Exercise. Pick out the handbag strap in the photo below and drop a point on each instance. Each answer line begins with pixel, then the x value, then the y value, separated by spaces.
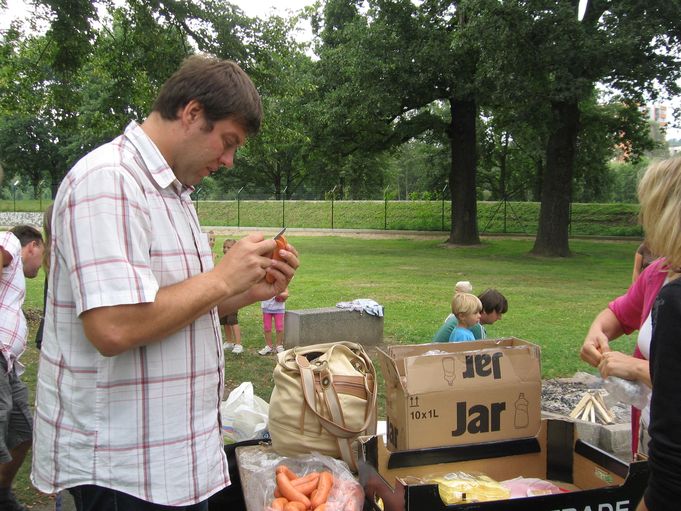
pixel 336 426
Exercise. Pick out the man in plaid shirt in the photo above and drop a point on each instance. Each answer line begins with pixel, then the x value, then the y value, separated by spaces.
pixel 131 368
pixel 22 251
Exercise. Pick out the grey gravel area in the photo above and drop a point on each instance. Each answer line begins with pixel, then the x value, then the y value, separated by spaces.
pixel 561 395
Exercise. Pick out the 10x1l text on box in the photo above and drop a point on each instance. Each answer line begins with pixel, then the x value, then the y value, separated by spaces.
pixel 461 393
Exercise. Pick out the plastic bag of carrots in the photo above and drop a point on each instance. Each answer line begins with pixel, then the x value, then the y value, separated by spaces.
pixel 314 482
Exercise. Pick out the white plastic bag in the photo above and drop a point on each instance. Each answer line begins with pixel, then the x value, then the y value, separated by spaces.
pixel 244 415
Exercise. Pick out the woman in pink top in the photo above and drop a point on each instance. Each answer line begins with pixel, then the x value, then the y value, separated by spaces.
pixel 623 315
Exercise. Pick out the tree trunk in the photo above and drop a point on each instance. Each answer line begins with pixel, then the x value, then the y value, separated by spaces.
pixel 462 139
pixel 538 180
pixel 554 215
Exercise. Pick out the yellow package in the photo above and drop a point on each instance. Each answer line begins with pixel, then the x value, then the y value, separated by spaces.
pixel 462 487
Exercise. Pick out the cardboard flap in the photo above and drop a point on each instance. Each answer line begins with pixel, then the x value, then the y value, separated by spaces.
pixel 391 375
pixel 479 363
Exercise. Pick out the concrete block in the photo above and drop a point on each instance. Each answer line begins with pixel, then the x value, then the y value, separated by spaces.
pixel 331 324
pixel 616 438
pixel 589 432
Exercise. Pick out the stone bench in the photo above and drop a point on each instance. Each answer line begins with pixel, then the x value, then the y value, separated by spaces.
pixel 331 324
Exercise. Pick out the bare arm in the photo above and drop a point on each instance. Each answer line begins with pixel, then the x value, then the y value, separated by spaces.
pixel 603 329
pixel 236 281
pixel 642 506
pixel 114 330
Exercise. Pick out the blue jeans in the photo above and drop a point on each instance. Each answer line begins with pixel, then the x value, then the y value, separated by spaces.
pixel 96 498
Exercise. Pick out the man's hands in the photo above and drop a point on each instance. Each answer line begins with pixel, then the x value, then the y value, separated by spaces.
pixel 244 266
pixel 237 280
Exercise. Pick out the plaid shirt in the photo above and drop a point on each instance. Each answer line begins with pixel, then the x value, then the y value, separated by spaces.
pixel 13 330
pixel 145 422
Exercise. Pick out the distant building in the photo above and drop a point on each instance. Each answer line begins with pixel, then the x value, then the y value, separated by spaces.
pixel 658 113
pixel 659 117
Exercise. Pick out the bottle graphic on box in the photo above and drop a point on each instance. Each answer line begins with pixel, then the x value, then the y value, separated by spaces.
pixel 448 368
pixel 522 416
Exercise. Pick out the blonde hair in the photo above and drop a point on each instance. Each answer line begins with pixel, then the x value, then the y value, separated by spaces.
pixel 466 303
pixel 659 194
pixel 463 286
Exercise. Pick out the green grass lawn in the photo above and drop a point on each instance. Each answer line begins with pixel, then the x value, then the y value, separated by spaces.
pixel 551 301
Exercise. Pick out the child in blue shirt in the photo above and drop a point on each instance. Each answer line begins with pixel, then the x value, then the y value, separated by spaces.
pixel 466 307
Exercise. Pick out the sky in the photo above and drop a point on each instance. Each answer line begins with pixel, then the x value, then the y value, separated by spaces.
pixel 251 7
pixel 264 7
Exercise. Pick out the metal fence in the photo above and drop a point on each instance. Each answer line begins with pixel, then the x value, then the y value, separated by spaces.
pixel 493 217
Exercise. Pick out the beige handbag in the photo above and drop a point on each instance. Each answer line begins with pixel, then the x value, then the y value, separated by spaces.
pixel 324 397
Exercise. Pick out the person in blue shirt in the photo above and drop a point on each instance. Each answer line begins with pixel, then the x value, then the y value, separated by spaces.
pixel 494 306
pixel 466 307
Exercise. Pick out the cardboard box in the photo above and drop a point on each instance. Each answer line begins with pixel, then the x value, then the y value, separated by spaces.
pixel 478 391
pixel 600 482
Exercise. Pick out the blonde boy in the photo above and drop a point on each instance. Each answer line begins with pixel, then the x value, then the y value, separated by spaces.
pixel 467 308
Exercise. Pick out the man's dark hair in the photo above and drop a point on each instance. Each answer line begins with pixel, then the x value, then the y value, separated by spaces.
pixel 26 234
pixel 221 86
pixel 493 300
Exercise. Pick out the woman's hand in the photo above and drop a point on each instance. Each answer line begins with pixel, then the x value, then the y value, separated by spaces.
pixel 595 345
pixel 615 363
pixel 604 328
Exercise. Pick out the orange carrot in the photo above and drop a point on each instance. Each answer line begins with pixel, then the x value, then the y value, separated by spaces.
pixel 281 244
pixel 289 473
pixel 306 487
pixel 278 504
pixel 323 489
pixel 288 490
pixel 304 479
